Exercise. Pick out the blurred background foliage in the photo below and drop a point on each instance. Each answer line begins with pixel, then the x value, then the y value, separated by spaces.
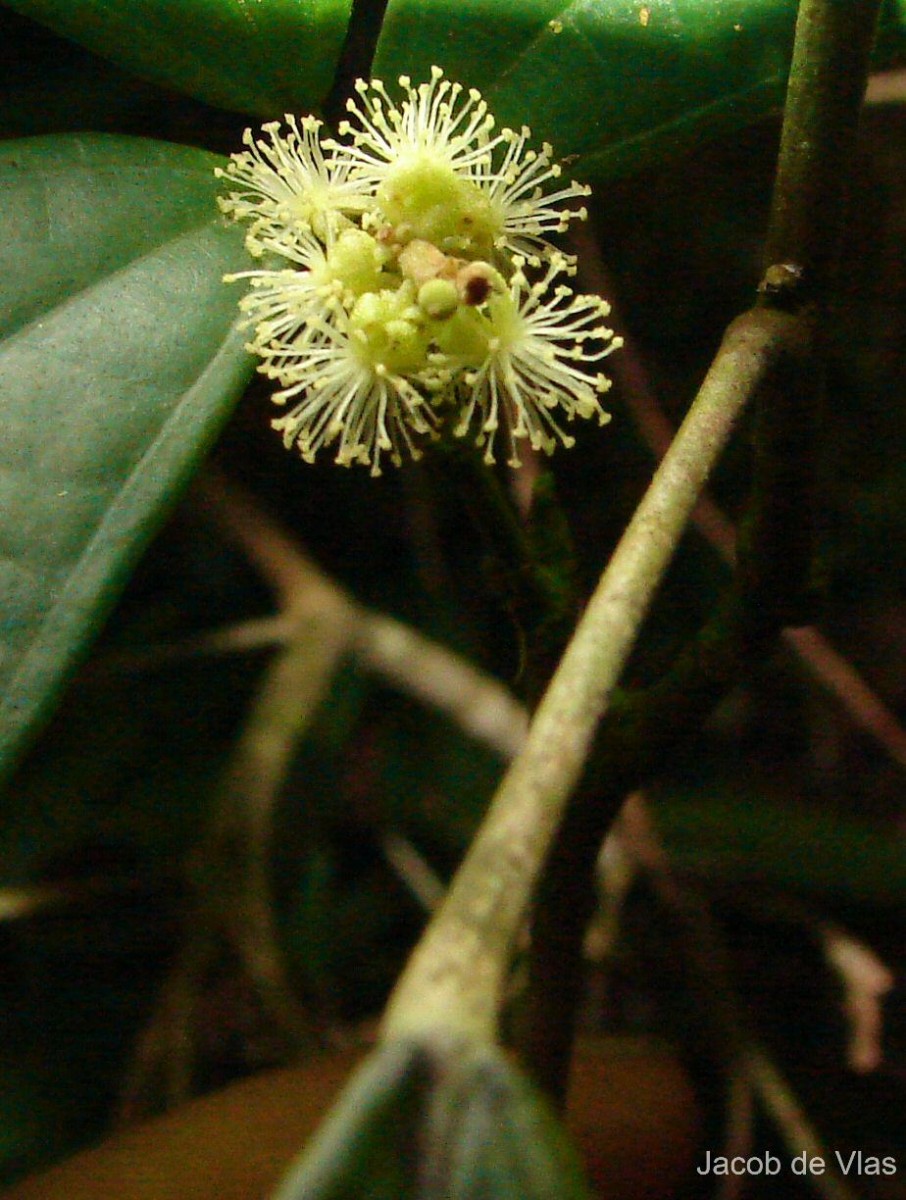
pixel 781 812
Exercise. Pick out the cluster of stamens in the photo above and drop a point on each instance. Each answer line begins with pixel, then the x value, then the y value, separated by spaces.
pixel 411 277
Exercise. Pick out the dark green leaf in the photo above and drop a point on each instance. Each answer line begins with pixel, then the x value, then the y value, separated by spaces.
pixel 618 82
pixel 441 1122
pixel 119 362
pixel 261 56
pixel 367 1145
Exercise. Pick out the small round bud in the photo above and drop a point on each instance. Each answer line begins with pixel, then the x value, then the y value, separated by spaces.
pixel 438 299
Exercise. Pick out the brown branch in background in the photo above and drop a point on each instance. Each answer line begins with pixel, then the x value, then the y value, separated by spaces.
pixel 19 903
pixel 866 980
pixel 230 922
pixel 751 1067
pixel 739 1130
pixel 791 1120
pixel 481 706
pixel 887 87
pixel 239 637
pixel 826 664
pixel 842 680
pixel 409 865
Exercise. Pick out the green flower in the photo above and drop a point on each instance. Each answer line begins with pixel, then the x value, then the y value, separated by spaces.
pixel 365 382
pixel 285 186
pixel 437 169
pixel 535 341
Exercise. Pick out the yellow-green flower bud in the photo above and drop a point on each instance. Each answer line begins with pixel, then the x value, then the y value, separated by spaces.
pixel 465 337
pixel 438 299
pixel 389 330
pixel 434 204
pixel 356 259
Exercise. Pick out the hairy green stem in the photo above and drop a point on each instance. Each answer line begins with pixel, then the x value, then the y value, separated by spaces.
pixel 454 981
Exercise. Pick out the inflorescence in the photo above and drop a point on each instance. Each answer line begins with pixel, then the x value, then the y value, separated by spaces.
pixel 419 280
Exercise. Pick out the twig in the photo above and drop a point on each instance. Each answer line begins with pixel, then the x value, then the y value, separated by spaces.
pixel 825 663
pixel 455 978
pixel 239 637
pixel 233 914
pixel 740 1129
pixel 413 870
pixel 841 678
pixel 828 77
pixel 480 705
pixel 29 900
pixel 792 1123
pixel 887 87
pixel 866 980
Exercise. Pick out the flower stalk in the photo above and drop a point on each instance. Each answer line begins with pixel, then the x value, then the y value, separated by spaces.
pixel 454 982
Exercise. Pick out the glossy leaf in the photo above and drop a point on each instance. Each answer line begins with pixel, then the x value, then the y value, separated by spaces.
pixel 618 83
pixel 119 362
pixel 257 56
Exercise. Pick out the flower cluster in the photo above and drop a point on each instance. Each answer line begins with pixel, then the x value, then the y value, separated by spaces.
pixel 409 275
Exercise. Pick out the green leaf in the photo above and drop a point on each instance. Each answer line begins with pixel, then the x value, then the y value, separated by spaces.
pixel 619 83
pixel 119 362
pixel 440 1122
pixel 259 56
